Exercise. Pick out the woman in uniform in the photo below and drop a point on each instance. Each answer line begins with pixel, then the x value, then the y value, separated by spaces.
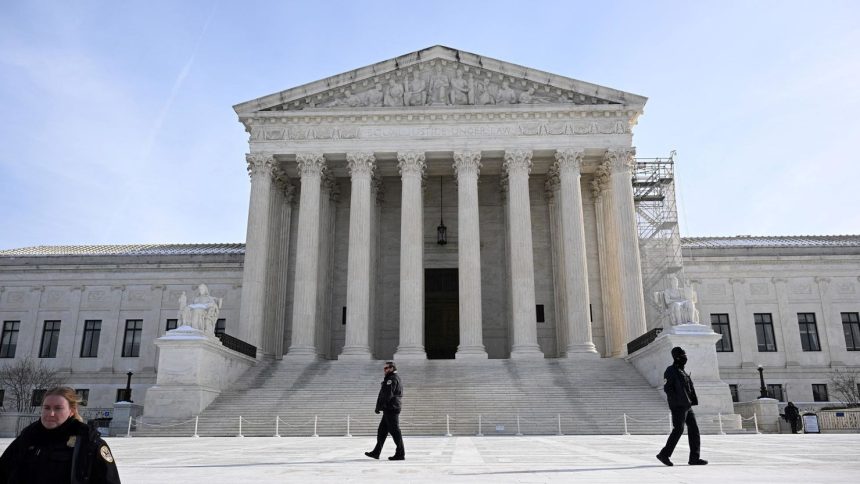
pixel 59 448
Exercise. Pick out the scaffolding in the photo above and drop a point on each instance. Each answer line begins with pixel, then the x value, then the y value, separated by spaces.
pixel 659 237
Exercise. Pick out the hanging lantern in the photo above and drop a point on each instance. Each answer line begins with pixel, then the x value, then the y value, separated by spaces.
pixel 441 230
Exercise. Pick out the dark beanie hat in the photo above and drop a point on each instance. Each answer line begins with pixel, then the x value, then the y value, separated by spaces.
pixel 677 351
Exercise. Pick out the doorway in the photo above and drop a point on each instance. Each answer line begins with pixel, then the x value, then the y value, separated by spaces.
pixel 441 313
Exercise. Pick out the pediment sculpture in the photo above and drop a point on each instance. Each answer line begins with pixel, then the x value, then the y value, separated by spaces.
pixel 678 303
pixel 202 313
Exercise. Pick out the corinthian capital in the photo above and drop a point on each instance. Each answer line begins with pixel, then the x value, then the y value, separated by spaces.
pixel 518 161
pixel 310 164
pixel 360 163
pixel 600 182
pixel 467 163
pixel 411 163
pixel 568 161
pixel 620 160
pixel 552 183
pixel 260 164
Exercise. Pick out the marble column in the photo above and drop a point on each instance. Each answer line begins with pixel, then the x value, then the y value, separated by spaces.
pixel 517 166
pixel 261 168
pixel 573 245
pixel 361 166
pixel 411 165
pixel 276 333
pixel 624 229
pixel 467 166
pixel 553 198
pixel 310 167
pixel 610 293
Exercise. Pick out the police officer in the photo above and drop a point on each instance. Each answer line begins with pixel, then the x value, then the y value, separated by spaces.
pixel 681 397
pixel 58 448
pixel 388 402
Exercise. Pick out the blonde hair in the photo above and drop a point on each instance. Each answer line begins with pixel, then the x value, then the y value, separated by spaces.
pixel 70 395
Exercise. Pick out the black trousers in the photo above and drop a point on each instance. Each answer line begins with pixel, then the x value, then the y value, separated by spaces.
pixel 390 424
pixel 681 416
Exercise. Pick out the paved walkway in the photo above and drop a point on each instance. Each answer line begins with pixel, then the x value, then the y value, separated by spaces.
pixel 734 458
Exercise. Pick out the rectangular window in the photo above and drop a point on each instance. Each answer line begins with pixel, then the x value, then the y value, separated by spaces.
pixel 2 397
pixel 775 391
pixel 38 396
pixel 851 328
pixel 83 396
pixel 764 332
pixel 9 339
pixel 90 342
pixel 131 340
pixel 220 326
pixel 808 332
pixel 539 311
pixel 734 391
pixel 819 393
pixel 343 316
pixel 50 338
pixel 720 325
pixel 171 324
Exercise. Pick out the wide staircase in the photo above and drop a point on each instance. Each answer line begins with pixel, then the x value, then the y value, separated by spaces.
pixel 460 397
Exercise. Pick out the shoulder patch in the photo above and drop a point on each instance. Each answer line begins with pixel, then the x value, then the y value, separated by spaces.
pixel 104 452
pixel 388 382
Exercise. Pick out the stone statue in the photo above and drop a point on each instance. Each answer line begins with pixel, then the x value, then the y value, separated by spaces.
pixel 484 96
pixel 416 91
pixel 375 96
pixel 439 85
pixel 460 92
pixel 506 95
pixel 393 95
pixel 679 303
pixel 203 311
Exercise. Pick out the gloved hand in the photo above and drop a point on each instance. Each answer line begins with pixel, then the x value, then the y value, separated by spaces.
pixel 376 412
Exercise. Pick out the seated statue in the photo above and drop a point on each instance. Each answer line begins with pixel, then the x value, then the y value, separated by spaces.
pixel 203 311
pixel 679 303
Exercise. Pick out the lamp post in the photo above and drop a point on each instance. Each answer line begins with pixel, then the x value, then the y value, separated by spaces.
pixel 128 387
pixel 763 388
pixel 441 230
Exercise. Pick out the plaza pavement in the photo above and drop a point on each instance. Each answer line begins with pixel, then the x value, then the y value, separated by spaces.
pixel 830 458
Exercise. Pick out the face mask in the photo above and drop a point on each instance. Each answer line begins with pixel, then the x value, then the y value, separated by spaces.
pixel 682 360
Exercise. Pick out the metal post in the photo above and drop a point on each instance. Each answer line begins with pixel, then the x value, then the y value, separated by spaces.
pixel 240 427
pixel 755 421
pixel 277 426
pixel 347 426
pixel 128 434
pixel 479 434
pixel 625 425
pixel 315 427
pixel 447 425
pixel 720 416
pixel 196 421
pixel 518 425
pixel 559 425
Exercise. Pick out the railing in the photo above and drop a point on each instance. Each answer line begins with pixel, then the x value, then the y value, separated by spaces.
pixel 236 344
pixel 643 341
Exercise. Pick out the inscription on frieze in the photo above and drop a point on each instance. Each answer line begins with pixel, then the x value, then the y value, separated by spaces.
pixel 716 289
pixel 759 289
pixel 138 296
pixel 54 298
pixel 801 288
pixel 16 298
pixel 845 288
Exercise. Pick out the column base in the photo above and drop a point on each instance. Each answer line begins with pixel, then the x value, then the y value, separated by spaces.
pixel 581 349
pixel 301 353
pixel 355 353
pixel 526 352
pixel 410 353
pixel 471 353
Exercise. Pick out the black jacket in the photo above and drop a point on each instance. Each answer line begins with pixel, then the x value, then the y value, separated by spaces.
pixel 679 389
pixel 71 453
pixel 388 400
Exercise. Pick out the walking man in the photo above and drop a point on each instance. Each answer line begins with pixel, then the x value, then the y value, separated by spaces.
pixel 388 402
pixel 681 397
pixel 792 414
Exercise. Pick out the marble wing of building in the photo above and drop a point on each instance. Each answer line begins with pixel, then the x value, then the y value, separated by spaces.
pixel 444 205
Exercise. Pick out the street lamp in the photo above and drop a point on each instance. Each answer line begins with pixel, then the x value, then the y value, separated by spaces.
pixel 762 389
pixel 128 387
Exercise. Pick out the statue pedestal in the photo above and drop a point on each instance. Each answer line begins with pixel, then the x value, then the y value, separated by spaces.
pixel 698 341
pixel 766 411
pixel 193 368
pixel 121 413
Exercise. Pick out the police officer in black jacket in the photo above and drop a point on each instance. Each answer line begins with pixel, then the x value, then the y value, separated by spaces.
pixel 681 397
pixel 58 448
pixel 388 402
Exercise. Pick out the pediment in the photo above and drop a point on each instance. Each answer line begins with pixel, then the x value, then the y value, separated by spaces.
pixel 438 77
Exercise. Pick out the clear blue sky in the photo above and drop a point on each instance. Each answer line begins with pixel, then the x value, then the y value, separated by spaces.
pixel 117 123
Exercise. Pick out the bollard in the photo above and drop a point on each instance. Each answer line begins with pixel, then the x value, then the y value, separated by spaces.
pixel 240 427
pixel 518 425
pixel 720 416
pixel 315 427
pixel 277 426
pixel 625 425
pixel 128 433
pixel 196 421
pixel 447 425
pixel 559 425
pixel 755 421
pixel 347 426
pixel 479 434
